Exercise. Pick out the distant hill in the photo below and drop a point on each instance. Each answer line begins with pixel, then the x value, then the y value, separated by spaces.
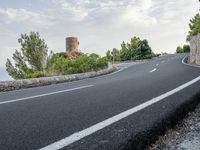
pixel 4 75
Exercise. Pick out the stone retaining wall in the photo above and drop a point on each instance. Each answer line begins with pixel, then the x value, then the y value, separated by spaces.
pixel 195 50
pixel 28 83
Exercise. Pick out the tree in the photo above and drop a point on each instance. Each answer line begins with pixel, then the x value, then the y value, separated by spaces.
pixel 143 51
pixel 32 56
pixel 124 52
pixel 115 55
pixel 136 49
pixel 186 48
pixel 11 70
pixel 179 49
pixel 108 55
pixel 194 25
pixel 34 50
pixel 94 55
pixel 133 46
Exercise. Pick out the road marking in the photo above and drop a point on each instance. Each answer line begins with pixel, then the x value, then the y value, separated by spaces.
pixel 153 70
pixel 157 64
pixel 88 131
pixel 122 69
pixel 117 71
pixel 183 61
pixel 46 94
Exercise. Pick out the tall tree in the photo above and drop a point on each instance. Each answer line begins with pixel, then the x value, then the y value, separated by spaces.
pixel 179 49
pixel 194 25
pixel 143 51
pixel 125 52
pixel 136 49
pixel 186 48
pixel 115 55
pixel 31 57
pixel 108 55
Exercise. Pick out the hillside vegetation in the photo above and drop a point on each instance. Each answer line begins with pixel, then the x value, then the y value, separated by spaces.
pixel 33 59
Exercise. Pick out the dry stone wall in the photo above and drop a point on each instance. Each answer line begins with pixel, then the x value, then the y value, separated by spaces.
pixel 28 83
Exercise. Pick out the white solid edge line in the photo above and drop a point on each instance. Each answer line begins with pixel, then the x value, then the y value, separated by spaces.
pixel 122 69
pixel 117 71
pixel 183 62
pixel 46 94
pixel 88 131
pixel 153 70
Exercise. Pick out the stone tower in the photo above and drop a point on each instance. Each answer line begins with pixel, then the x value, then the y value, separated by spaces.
pixel 72 49
pixel 72 44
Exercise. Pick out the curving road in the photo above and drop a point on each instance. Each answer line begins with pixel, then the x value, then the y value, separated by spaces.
pixel 98 113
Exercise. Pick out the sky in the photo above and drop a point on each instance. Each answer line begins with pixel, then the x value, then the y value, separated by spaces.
pixel 100 25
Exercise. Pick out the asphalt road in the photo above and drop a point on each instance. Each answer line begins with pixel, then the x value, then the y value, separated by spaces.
pixel 97 113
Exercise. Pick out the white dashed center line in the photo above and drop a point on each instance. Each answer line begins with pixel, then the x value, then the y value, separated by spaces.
pixel 153 70
pixel 101 125
pixel 45 94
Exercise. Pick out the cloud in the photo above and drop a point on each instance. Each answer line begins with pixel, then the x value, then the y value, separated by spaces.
pixel 139 14
pixel 100 24
pixel 24 17
pixel 73 10
pixel 130 11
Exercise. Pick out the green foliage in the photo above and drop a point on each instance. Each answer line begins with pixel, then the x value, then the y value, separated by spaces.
pixel 85 63
pixel 142 51
pixel 32 61
pixel 109 55
pixel 194 25
pixel 184 49
pixel 36 74
pixel 115 55
pixel 12 70
pixel 94 55
pixel 125 53
pixel 32 56
pixel 53 57
pixel 135 50
pixel 179 49
pixel 34 50
pixel 101 63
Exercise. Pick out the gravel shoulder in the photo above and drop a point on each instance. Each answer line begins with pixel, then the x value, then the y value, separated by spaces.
pixel 184 136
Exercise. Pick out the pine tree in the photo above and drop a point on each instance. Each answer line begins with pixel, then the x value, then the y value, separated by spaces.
pixel 31 57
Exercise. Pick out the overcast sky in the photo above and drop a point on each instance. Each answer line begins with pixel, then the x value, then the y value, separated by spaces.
pixel 99 24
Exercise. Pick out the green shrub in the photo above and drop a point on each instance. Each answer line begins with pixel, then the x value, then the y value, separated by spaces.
pixel 85 63
pixel 184 49
pixel 36 74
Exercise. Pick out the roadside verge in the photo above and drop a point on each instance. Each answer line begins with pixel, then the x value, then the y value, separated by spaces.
pixel 36 82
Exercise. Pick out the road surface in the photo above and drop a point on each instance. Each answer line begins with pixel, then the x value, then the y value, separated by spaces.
pixel 105 112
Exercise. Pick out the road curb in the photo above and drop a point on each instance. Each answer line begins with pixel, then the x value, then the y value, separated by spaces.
pixel 36 82
pixel 185 62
